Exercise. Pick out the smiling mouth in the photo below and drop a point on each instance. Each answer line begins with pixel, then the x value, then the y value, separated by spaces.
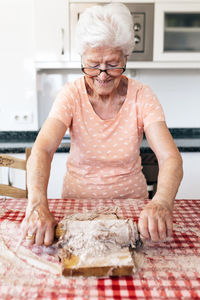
pixel 103 81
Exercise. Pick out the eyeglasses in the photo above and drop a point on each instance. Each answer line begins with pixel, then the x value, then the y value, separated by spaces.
pixel 95 71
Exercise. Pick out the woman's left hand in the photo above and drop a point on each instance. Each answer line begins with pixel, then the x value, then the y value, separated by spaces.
pixel 155 221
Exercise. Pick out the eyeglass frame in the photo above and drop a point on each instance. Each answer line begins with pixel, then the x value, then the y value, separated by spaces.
pixel 102 70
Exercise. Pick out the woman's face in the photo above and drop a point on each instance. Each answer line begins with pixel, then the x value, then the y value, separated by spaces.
pixel 103 58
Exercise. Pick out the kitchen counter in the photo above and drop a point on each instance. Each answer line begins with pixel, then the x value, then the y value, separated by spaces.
pixel 186 139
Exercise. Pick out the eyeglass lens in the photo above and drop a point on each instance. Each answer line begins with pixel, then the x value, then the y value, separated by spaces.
pixel 95 72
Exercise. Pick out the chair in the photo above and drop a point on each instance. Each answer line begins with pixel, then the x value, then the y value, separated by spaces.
pixel 150 171
pixel 16 163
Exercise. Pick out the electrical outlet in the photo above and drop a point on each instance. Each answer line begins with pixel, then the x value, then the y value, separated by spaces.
pixel 22 117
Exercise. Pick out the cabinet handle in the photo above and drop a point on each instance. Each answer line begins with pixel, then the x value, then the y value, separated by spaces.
pixel 9 178
pixel 63 41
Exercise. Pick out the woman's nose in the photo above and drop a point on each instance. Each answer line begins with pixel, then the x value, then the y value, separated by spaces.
pixel 103 75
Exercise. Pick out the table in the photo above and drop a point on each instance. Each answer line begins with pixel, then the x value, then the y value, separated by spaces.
pixel 170 270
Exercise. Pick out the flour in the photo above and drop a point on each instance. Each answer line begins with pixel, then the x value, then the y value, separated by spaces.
pixel 12 264
pixel 2 209
pixel 163 259
pixel 139 260
pixel 24 275
pixel 189 230
pixel 2 212
pixel 98 239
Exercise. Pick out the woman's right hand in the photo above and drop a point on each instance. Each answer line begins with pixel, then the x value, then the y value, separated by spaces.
pixel 38 225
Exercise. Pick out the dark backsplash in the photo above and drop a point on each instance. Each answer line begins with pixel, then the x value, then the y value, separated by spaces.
pixel 30 136
pixel 18 136
pixel 181 133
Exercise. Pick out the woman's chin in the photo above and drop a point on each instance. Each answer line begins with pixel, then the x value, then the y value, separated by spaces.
pixel 104 89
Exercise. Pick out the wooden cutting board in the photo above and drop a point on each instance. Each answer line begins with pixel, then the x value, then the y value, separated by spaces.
pixel 99 231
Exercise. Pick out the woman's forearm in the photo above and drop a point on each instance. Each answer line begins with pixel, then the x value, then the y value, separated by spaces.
pixel 156 219
pixel 169 178
pixel 39 221
pixel 39 163
pixel 38 172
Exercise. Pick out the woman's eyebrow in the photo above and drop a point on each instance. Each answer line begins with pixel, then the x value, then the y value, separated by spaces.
pixel 92 61
pixel 116 62
pixel 113 61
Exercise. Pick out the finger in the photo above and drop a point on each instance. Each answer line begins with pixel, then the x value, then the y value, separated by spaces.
pixel 23 229
pixel 49 236
pixel 143 227
pixel 39 239
pixel 30 237
pixel 153 229
pixel 28 226
pixel 169 224
pixel 162 230
pixel 27 232
pixel 21 238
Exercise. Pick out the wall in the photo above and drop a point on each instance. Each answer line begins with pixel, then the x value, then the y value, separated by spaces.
pixel 179 93
pixel 17 67
pixel 177 90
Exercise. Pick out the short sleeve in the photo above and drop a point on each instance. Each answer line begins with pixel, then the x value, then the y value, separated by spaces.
pixel 62 108
pixel 149 108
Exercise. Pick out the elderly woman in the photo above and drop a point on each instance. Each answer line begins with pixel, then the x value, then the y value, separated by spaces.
pixel 106 113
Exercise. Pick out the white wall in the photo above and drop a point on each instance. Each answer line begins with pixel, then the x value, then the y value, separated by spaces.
pixel 17 69
pixel 49 84
pixel 179 93
pixel 177 90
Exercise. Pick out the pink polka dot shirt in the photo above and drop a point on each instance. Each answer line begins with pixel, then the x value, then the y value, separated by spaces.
pixel 104 159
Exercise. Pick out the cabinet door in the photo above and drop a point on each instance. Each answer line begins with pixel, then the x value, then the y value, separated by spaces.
pixel 58 169
pixel 51 30
pixel 177 31
pixel 75 11
pixel 18 103
pixel 190 188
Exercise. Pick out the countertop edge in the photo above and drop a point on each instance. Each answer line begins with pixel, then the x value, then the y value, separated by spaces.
pixel 186 139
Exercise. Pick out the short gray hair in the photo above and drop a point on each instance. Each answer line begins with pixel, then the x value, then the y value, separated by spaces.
pixel 105 25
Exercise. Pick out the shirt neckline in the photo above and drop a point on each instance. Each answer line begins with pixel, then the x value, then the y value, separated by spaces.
pixel 119 112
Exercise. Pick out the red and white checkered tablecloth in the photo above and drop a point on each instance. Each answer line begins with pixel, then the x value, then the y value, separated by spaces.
pixel 170 270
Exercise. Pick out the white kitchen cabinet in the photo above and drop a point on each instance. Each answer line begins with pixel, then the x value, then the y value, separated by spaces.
pixel 55 22
pixel 51 30
pixel 189 188
pixel 18 103
pixel 190 185
pixel 75 11
pixel 177 31
pixel 58 168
